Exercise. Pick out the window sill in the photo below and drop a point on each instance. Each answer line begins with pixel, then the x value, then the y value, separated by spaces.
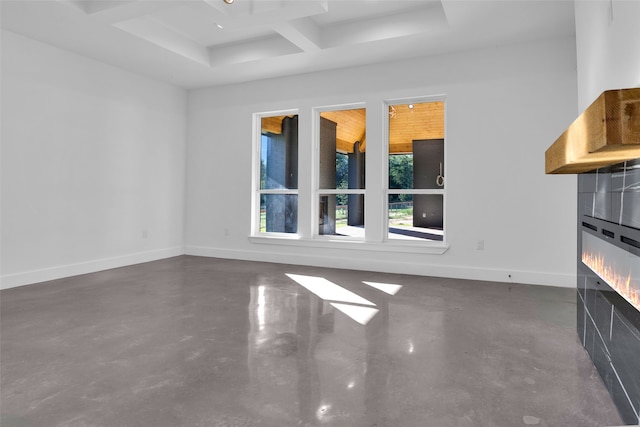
pixel 430 247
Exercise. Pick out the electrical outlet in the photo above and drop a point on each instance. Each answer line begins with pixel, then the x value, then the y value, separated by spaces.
pixel 480 245
pixel 226 231
pixel 145 234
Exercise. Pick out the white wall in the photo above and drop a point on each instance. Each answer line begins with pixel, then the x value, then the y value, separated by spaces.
pixel 505 106
pixel 92 158
pixel 608 47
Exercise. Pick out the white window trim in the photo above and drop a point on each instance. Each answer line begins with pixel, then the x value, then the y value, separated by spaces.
pixel 316 111
pixel 342 242
pixel 255 174
pixel 385 171
pixel 338 242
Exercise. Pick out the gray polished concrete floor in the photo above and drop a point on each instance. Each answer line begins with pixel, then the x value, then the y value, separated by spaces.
pixel 194 341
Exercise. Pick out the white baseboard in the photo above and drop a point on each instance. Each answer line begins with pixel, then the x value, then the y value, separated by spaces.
pixel 45 274
pixel 450 271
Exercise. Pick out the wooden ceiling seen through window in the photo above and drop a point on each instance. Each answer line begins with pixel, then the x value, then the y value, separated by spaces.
pixel 407 122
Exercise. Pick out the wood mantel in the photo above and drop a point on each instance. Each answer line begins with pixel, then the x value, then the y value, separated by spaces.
pixel 606 133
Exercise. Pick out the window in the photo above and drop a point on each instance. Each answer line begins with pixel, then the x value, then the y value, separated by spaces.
pixel 314 193
pixel 341 172
pixel 278 183
pixel 415 205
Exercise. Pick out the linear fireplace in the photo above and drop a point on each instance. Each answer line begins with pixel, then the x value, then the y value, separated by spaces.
pixel 620 269
pixel 609 279
pixel 602 146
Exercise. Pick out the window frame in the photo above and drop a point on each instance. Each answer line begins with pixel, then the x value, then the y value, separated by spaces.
pixel 317 191
pixel 385 173
pixel 308 191
pixel 257 192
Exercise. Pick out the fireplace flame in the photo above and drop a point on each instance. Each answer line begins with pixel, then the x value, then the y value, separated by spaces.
pixel 608 272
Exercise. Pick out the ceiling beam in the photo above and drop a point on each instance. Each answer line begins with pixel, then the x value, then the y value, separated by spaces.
pixel 401 148
pixel 272 124
pixel 250 14
pixel 156 33
pixel 304 33
pixel 216 11
pixel 363 141
pixel 343 146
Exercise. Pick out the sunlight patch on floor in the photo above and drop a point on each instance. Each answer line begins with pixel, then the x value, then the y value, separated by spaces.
pixel 387 288
pixel 327 290
pixel 353 305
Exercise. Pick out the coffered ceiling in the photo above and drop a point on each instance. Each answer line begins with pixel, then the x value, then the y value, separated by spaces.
pixel 197 43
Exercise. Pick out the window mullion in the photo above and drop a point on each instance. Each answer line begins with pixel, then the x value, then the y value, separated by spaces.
pixel 375 204
pixel 305 173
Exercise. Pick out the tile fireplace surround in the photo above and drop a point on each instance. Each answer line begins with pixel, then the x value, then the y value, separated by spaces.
pixel 609 279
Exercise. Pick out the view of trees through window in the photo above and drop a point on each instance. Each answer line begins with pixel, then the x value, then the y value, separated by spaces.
pixel 416 171
pixel 278 198
pixel 400 175
pixel 415 190
pixel 341 172
pixel 342 177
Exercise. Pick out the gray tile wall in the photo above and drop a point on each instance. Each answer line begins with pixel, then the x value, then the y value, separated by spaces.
pixel 609 327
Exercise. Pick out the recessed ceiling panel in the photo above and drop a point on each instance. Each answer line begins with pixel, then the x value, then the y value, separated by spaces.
pixel 251 51
pixel 414 21
pixel 179 41
pixel 345 11
pixel 204 30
